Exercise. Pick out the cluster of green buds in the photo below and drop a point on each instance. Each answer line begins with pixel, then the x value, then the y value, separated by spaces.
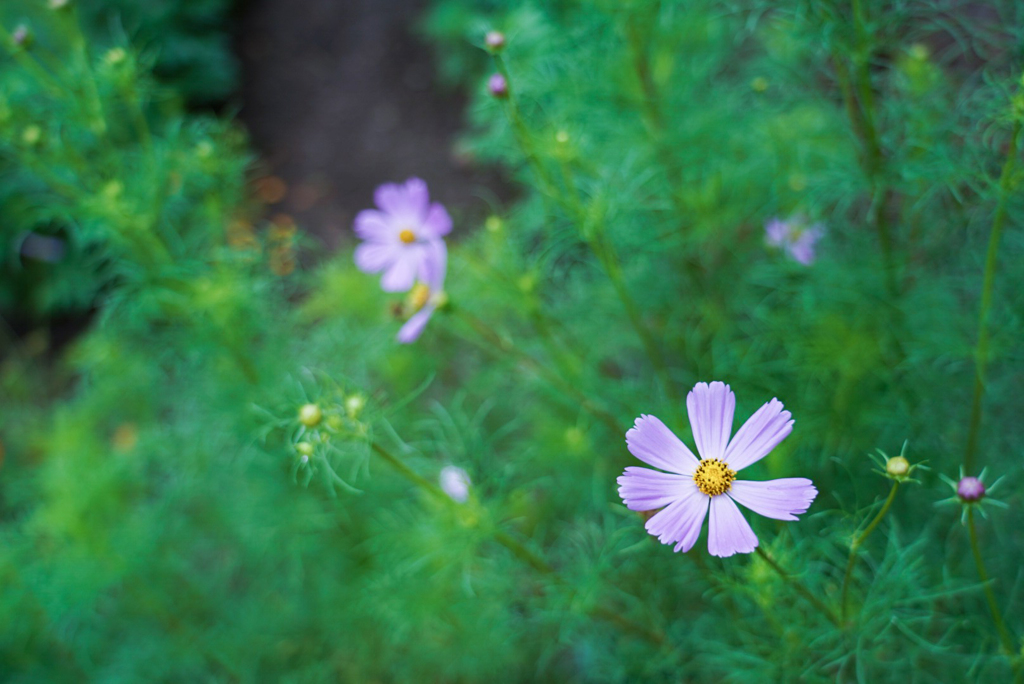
pixel 315 427
pixel 897 468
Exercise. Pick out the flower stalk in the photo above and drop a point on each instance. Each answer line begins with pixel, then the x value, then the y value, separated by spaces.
pixel 985 309
pixel 521 551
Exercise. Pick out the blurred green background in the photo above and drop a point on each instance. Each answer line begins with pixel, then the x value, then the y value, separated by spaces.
pixel 173 292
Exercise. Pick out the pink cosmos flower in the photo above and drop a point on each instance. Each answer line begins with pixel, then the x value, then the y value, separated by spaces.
pixel 399 236
pixel 428 294
pixel 795 236
pixel 691 487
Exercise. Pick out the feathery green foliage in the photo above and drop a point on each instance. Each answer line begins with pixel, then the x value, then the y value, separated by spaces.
pixel 167 513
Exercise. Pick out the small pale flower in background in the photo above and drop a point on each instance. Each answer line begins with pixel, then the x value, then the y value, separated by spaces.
pixel 401 235
pixel 692 487
pixel 796 236
pixel 455 483
pixel 498 86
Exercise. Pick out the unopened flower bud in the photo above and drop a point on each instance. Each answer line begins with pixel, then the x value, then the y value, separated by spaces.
pixel 354 404
pixel 759 84
pixel 493 224
pixel 115 56
pixel 455 483
pixel 970 489
pixel 59 4
pixel 897 466
pixel 310 415
pixel 21 36
pixel 495 40
pixel 31 135
pixel 305 449
pixel 498 86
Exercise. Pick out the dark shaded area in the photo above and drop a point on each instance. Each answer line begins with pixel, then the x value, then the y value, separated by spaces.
pixel 342 96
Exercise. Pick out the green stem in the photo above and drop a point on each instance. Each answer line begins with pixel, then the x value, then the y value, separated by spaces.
pixel 986 585
pixel 858 542
pixel 595 239
pixel 987 288
pixel 521 551
pixel 801 589
pixel 502 345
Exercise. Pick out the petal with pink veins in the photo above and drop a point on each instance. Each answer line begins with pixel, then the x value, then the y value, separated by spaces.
pixel 643 489
pixel 711 409
pixel 653 443
pixel 762 432
pixel 728 531
pixel 781 499
pixel 681 521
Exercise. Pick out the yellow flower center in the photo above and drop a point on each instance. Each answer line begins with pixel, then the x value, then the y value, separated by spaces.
pixel 418 296
pixel 714 477
pixel 407 236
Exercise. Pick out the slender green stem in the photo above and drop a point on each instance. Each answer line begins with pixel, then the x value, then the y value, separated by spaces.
pixel 801 589
pixel 595 237
pixel 986 585
pixel 985 309
pixel 521 551
pixel 859 101
pixel 858 542
pixel 501 345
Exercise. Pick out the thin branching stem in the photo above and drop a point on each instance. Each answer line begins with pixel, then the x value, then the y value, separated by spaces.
pixel 801 589
pixel 495 342
pixel 997 617
pixel 985 309
pixel 523 552
pixel 594 236
pixel 857 543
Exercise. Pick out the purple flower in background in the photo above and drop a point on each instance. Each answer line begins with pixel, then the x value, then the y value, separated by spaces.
pixel 400 236
pixel 455 483
pixel 498 85
pixel 428 294
pixel 795 236
pixel 691 487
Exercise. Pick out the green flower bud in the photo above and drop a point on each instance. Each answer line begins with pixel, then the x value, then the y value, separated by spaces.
pixel 304 449
pixel 310 415
pixel 354 404
pixel 897 466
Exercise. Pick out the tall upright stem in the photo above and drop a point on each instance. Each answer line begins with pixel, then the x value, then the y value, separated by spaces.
pixel 985 309
pixel 990 596
pixel 596 238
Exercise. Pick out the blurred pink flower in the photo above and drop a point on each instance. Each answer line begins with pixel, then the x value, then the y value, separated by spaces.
pixel 428 294
pixel 795 236
pixel 401 235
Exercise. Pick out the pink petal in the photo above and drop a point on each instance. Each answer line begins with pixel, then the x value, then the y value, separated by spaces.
pixel 654 444
pixel 407 202
pixel 780 499
pixel 413 328
pixel 437 223
pixel 728 531
pixel 401 275
pixel 759 435
pixel 372 257
pixel 681 521
pixel 643 489
pixel 711 408
pixel 373 225
pixel 434 264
